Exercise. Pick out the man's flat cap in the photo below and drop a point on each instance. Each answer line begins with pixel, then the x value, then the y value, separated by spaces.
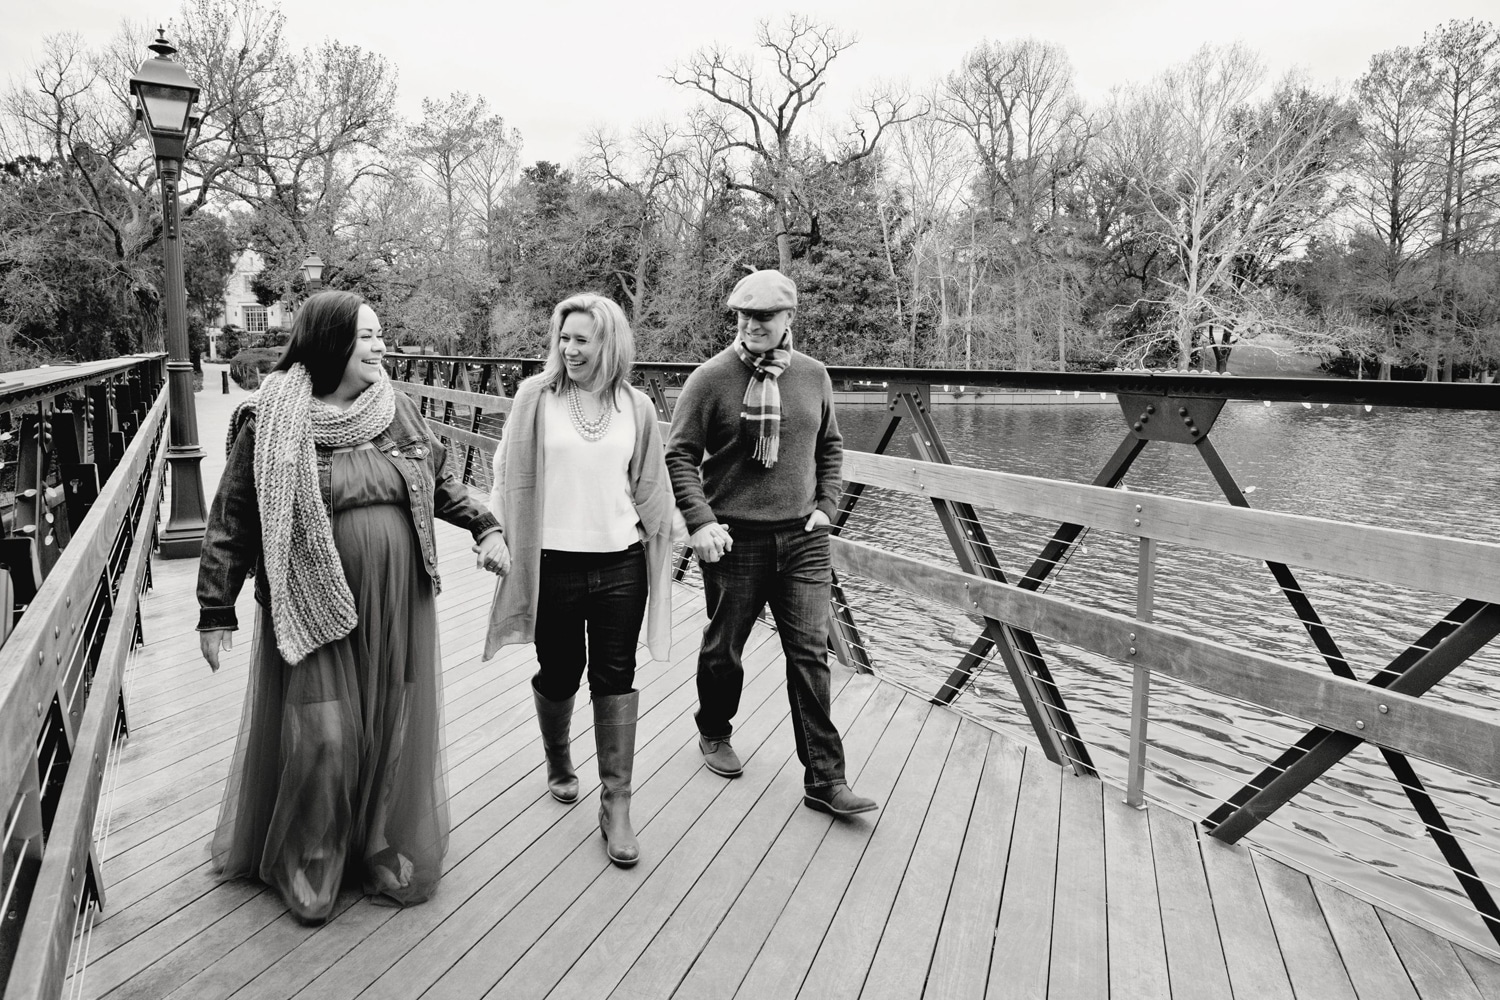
pixel 763 291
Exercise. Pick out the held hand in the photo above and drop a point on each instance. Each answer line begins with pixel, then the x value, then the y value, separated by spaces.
pixel 492 553
pixel 817 519
pixel 710 542
pixel 211 641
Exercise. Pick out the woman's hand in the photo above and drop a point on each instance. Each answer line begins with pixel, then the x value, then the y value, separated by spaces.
pixel 817 519
pixel 492 553
pixel 210 641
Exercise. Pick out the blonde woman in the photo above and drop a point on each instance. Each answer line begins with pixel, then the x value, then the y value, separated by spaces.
pixel 581 490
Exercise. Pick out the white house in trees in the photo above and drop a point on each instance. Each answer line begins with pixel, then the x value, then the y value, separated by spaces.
pixel 240 307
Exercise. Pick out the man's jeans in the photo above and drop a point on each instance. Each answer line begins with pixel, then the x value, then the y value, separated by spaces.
pixel 790 570
pixel 598 594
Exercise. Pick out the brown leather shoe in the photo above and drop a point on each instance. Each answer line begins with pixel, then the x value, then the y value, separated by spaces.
pixel 720 758
pixel 838 800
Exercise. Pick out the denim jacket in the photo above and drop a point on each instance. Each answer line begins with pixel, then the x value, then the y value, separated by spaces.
pixel 231 542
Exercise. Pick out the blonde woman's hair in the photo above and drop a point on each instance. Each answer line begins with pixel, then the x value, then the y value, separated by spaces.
pixel 611 331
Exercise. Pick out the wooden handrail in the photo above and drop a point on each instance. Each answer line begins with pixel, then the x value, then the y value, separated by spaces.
pixel 48 678
pixel 41 958
pixel 1433 731
pixel 22 388
pixel 1435 563
pixel 487 402
pixel 34 650
pixel 482 442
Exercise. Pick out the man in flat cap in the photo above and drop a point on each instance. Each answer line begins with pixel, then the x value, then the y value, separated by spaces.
pixel 755 457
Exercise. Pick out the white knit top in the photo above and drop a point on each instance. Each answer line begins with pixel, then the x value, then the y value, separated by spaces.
pixel 586 484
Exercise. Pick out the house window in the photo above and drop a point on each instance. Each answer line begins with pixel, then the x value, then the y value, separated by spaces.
pixel 255 319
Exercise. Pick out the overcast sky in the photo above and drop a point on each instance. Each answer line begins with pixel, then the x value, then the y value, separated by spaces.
pixel 554 68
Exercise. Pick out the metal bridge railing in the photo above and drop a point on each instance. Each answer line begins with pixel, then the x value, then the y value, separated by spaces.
pixel 76 557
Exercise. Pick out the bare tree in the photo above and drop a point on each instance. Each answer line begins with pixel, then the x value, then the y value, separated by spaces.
pixel 1015 102
pixel 643 174
pixel 1233 187
pixel 103 177
pixel 768 107
pixel 487 176
pixel 1395 188
pixel 1465 57
pixel 444 142
pixel 933 165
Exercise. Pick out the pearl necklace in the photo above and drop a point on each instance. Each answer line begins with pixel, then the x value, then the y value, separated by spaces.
pixel 589 430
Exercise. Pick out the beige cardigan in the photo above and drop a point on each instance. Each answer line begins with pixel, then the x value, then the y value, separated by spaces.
pixel 516 499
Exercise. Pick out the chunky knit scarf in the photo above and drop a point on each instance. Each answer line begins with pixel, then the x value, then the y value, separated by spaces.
pixel 761 409
pixel 311 603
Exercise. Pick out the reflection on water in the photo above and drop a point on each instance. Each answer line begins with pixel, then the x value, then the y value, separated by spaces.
pixel 1412 469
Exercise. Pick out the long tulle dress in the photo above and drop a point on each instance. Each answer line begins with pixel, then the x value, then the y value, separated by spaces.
pixel 338 771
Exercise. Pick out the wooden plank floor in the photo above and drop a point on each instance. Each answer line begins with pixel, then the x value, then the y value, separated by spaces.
pixel 988 872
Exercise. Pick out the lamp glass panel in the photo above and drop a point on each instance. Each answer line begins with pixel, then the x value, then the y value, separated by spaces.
pixel 166 107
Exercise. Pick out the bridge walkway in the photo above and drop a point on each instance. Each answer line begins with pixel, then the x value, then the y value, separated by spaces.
pixel 988 871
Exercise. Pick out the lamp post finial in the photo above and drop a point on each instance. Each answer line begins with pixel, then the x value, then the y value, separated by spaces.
pixel 163 48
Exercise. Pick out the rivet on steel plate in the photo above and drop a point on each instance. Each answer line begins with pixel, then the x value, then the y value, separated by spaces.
pixel 1359 724
pixel 1137 508
pixel 1384 709
pixel 1137 522
pixel 1132 650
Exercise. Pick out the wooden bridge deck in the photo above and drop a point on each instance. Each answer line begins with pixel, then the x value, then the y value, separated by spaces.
pixel 988 871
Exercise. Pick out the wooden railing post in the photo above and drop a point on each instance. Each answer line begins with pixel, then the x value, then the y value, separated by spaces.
pixel 1140 687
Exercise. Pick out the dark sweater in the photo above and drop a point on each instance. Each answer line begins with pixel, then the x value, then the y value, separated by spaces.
pixel 715 474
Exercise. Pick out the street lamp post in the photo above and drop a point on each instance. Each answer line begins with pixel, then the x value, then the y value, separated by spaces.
pixel 312 271
pixel 165 95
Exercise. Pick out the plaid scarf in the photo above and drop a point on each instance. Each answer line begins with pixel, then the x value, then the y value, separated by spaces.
pixel 311 603
pixel 761 410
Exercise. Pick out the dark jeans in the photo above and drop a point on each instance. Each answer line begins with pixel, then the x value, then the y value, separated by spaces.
pixel 791 571
pixel 597 595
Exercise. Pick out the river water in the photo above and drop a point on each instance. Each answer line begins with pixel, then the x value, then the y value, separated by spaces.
pixel 1413 469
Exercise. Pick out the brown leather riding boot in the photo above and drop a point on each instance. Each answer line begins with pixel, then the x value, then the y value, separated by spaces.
pixel 614 734
pixel 555 719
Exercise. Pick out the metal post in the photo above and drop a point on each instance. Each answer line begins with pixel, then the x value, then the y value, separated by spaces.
pixel 183 536
pixel 1140 688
